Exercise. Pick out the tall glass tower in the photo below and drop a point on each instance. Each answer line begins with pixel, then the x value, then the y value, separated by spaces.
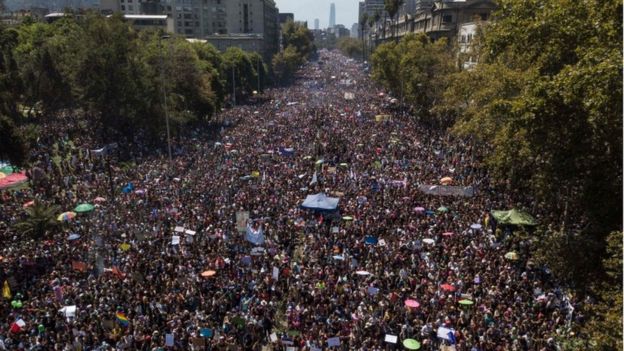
pixel 332 15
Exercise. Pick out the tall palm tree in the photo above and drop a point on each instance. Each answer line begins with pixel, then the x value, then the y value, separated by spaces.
pixel 363 23
pixel 40 220
pixel 392 8
pixel 373 22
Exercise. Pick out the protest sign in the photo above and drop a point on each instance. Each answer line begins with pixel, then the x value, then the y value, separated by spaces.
pixel 335 341
pixel 169 340
pixel 275 274
pixel 241 220
pixel 392 339
pixel 447 190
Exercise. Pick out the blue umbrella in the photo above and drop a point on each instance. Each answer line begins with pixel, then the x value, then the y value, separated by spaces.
pixel 73 236
pixel 128 188
pixel 370 240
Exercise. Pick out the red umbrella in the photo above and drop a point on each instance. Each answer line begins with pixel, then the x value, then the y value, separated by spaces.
pixel 447 287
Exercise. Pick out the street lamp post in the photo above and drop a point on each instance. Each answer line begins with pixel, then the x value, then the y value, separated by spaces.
pixel 164 89
pixel 259 59
pixel 234 85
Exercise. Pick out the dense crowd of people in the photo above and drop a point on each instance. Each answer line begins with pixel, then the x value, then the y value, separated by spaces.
pixel 162 263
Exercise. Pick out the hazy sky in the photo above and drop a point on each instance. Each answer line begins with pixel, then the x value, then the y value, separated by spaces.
pixel 308 10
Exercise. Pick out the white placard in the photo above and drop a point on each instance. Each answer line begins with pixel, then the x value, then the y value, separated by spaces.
pixel 275 274
pixel 175 240
pixel 69 311
pixel 273 337
pixel 190 232
pixel 391 338
pixel 179 229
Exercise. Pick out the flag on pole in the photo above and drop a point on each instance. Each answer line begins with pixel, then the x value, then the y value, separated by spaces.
pixel 122 319
pixel 314 180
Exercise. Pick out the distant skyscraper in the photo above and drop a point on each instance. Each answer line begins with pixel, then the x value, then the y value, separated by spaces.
pixel 332 15
pixel 316 23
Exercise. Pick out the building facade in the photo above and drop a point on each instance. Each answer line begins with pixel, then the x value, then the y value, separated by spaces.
pixel 340 31
pixel 332 15
pixel 437 19
pixel 201 19
pixel 355 30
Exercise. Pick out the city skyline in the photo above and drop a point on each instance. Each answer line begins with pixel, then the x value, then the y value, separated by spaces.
pixel 309 10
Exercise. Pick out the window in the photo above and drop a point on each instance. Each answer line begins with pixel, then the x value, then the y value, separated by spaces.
pixel 130 8
pixel 447 18
pixel 469 38
pixel 123 7
pixel 187 16
pixel 463 38
pixel 484 16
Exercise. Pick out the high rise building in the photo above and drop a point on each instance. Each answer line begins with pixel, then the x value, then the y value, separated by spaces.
pixel 316 23
pixel 374 7
pixel 285 17
pixel 332 15
pixel 355 29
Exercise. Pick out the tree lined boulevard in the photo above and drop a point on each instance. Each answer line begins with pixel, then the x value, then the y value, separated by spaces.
pixel 421 206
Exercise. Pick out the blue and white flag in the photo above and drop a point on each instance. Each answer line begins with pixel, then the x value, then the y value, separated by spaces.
pixel 314 179
pixel 447 334
pixel 255 236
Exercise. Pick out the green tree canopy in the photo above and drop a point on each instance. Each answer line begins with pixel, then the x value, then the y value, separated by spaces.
pixel 350 47
pixel 285 64
pixel 415 68
pixel 299 37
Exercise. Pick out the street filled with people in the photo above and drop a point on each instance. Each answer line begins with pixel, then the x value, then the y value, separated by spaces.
pixel 214 250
